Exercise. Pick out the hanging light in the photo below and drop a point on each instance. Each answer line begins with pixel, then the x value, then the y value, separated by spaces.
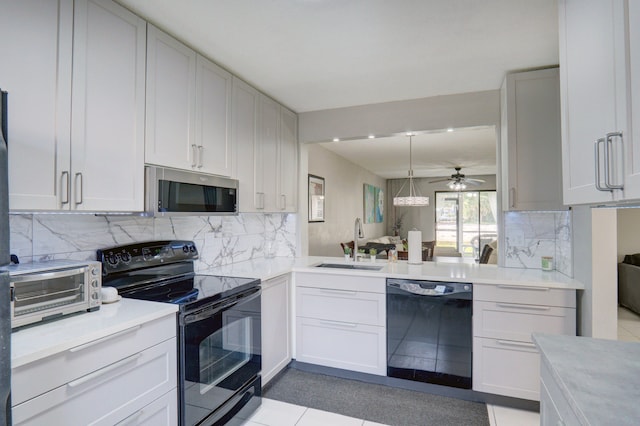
pixel 414 198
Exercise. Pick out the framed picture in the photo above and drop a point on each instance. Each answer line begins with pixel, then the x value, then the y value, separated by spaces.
pixel 316 198
pixel 373 204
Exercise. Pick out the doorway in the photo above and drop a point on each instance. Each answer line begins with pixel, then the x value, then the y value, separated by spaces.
pixel 466 220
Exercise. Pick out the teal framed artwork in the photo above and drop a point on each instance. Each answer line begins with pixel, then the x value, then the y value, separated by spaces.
pixel 373 204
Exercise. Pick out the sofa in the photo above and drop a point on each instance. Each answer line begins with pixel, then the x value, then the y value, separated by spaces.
pixel 629 282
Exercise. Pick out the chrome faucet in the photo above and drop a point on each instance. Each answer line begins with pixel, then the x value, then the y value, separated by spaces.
pixel 357 233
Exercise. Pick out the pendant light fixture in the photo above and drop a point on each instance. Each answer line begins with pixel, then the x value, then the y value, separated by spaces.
pixel 414 198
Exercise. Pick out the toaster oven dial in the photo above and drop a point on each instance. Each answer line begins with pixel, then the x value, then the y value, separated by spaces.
pixel 95 296
pixel 94 271
pixel 94 283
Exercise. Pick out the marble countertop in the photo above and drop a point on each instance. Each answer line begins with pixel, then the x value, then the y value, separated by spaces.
pixel 599 378
pixel 40 340
pixel 444 269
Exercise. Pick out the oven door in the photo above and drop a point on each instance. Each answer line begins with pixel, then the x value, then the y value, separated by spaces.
pixel 220 359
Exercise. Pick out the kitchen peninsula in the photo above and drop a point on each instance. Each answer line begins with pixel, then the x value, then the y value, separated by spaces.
pixel 349 305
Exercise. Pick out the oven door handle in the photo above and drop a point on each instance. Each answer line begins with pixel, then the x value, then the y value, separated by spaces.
pixel 209 311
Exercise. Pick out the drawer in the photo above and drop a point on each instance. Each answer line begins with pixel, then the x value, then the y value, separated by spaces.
pixel 162 411
pixel 336 344
pixel 512 321
pixel 525 295
pixel 341 305
pixel 341 282
pixel 507 368
pixel 33 379
pixel 108 395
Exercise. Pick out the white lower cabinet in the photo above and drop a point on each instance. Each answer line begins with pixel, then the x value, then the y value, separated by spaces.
pixel 162 411
pixel 102 382
pixel 276 326
pixel 505 360
pixel 341 322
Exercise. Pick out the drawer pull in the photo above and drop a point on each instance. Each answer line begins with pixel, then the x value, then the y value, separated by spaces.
pixel 133 419
pixel 344 292
pixel 518 344
pixel 103 371
pixel 340 324
pixel 527 307
pixel 523 287
pixel 104 339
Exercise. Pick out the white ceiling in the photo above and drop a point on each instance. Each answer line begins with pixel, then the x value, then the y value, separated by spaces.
pixel 474 149
pixel 321 54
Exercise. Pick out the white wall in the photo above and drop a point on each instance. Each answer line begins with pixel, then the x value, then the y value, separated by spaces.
pixel 423 218
pixel 628 231
pixel 343 201
pixel 438 112
pixel 594 257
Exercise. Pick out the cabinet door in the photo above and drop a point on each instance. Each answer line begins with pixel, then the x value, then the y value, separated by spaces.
pixel 244 117
pixel 36 54
pixel 213 100
pixel 267 155
pixel 593 86
pixel 276 326
pixel 107 135
pixel 288 177
pixel 632 142
pixel 531 142
pixel 171 85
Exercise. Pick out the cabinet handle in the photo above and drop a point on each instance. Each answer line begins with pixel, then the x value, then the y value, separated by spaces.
pixel 607 160
pixel 103 371
pixel 597 163
pixel 339 324
pixel 345 292
pixel 194 154
pixel 523 287
pixel 283 201
pixel 512 197
pixel 527 307
pixel 518 344
pixel 260 200
pixel 65 186
pixel 78 188
pixel 104 339
pixel 133 419
pixel 200 152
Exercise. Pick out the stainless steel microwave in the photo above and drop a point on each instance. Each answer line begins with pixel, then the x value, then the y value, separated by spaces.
pixel 178 192
pixel 43 291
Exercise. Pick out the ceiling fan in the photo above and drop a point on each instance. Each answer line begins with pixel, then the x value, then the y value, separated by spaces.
pixel 458 181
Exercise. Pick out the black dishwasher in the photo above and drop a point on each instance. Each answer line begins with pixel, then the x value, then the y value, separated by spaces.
pixel 429 331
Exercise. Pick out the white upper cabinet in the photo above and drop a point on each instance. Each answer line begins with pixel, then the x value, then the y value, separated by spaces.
pixel 82 151
pixel 36 72
pixel 594 93
pixel 107 133
pixel 632 167
pixel 266 145
pixel 288 183
pixel 171 89
pixel 188 108
pixel 213 108
pixel 530 141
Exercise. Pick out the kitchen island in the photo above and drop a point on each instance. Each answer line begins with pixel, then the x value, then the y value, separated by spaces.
pixel 588 381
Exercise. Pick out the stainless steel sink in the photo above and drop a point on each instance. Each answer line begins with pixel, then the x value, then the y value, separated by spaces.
pixel 350 266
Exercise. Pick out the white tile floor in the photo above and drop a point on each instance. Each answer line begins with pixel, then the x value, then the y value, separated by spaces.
pixel 276 413
pixel 628 325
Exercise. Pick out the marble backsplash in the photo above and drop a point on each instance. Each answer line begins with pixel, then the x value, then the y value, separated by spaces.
pixel 531 235
pixel 221 240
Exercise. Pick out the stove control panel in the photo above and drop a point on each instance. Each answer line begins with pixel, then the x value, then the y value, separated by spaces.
pixel 143 255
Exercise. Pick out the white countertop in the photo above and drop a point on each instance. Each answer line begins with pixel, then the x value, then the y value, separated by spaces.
pixel 597 377
pixel 444 269
pixel 40 340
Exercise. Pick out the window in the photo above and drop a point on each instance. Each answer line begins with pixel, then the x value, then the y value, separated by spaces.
pixel 466 220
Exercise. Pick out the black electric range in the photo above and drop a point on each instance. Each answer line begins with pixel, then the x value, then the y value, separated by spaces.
pixel 219 319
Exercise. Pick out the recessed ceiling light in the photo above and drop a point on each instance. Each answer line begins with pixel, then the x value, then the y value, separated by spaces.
pixel 336 139
pixel 449 129
pixel 371 136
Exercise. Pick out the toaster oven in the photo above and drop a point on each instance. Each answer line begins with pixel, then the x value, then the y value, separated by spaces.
pixel 48 290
